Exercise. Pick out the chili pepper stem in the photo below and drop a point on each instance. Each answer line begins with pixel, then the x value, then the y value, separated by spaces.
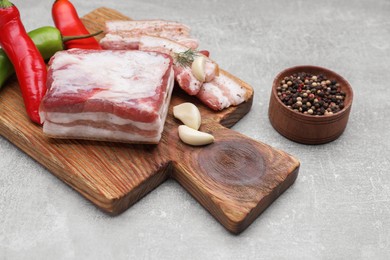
pixel 70 38
pixel 5 4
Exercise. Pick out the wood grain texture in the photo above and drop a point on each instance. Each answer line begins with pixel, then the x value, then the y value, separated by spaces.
pixel 235 178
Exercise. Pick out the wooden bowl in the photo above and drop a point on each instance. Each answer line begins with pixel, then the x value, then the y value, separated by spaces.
pixel 305 128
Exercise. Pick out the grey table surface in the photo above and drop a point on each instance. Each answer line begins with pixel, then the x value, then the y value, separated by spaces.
pixel 338 208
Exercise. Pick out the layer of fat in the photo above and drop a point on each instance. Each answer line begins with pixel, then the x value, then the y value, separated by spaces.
pixel 122 75
pixel 106 118
pixel 93 133
pixel 168 95
pixel 119 42
pixel 114 26
pixel 151 43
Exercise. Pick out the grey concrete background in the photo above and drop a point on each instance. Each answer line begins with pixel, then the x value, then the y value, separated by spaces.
pixel 337 209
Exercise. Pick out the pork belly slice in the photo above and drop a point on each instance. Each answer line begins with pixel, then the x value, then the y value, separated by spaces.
pixel 183 74
pixel 218 92
pixel 147 25
pixel 125 34
pixel 110 95
pixel 223 91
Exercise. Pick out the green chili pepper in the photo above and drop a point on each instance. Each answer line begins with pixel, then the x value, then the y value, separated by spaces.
pixel 6 68
pixel 48 40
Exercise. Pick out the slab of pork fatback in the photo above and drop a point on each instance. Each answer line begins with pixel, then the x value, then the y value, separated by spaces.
pixel 110 95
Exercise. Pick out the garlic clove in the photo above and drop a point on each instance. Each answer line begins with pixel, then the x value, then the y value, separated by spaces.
pixel 198 68
pixel 189 114
pixel 194 137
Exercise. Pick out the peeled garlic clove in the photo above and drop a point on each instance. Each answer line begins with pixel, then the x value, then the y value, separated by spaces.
pixel 198 68
pixel 194 137
pixel 189 114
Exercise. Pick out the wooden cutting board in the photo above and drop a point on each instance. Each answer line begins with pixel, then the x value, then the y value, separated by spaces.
pixel 235 178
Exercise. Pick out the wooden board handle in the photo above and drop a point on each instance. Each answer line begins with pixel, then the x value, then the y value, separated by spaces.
pixel 231 177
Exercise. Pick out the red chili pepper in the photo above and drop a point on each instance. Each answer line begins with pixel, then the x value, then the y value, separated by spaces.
pixel 24 55
pixel 68 22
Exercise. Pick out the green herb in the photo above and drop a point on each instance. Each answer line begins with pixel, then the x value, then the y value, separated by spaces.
pixel 186 58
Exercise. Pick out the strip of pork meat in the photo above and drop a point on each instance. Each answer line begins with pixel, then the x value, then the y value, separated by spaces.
pixel 183 74
pixel 126 34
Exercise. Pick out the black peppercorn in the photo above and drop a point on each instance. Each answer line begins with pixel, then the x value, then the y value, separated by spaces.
pixel 311 94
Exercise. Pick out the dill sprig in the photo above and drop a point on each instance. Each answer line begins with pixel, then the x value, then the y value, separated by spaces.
pixel 185 58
